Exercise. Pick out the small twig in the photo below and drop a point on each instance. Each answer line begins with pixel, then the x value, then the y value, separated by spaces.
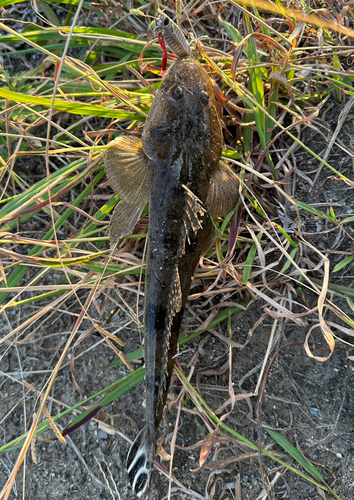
pixel 104 475
pixel 142 79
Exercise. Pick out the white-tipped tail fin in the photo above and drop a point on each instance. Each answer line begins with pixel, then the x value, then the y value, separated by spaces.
pixel 139 463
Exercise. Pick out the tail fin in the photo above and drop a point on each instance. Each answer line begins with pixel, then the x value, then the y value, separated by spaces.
pixel 139 463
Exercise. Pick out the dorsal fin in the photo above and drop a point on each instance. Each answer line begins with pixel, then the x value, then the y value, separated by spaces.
pixel 193 215
pixel 176 294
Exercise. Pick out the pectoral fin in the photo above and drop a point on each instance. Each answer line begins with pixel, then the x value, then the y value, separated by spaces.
pixel 223 191
pixel 129 175
pixel 124 218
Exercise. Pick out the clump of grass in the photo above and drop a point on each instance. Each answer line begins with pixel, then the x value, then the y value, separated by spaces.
pixel 273 77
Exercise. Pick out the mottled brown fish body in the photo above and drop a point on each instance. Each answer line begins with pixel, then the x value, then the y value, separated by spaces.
pixel 182 139
pixel 177 169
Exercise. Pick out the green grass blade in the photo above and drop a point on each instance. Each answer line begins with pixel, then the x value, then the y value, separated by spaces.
pixel 296 454
pixel 288 262
pixel 4 3
pixel 343 263
pixel 77 108
pixel 249 261
pixel 19 272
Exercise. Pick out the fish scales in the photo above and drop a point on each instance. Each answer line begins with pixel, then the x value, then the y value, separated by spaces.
pixel 179 172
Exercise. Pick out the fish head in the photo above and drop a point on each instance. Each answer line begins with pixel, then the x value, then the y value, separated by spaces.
pixel 184 117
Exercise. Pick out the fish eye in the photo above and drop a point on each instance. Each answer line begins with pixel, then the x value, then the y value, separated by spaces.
pixel 177 93
pixel 204 97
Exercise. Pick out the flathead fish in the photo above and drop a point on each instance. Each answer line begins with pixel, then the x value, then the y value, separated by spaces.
pixel 176 168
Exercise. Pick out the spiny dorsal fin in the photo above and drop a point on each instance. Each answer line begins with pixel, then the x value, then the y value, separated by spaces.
pixel 223 191
pixel 129 175
pixel 193 214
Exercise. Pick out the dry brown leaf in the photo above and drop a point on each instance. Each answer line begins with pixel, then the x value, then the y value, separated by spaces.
pixel 208 443
pixel 107 428
pixel 166 457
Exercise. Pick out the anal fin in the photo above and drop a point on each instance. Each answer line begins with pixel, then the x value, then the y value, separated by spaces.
pixel 176 294
pixel 174 307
